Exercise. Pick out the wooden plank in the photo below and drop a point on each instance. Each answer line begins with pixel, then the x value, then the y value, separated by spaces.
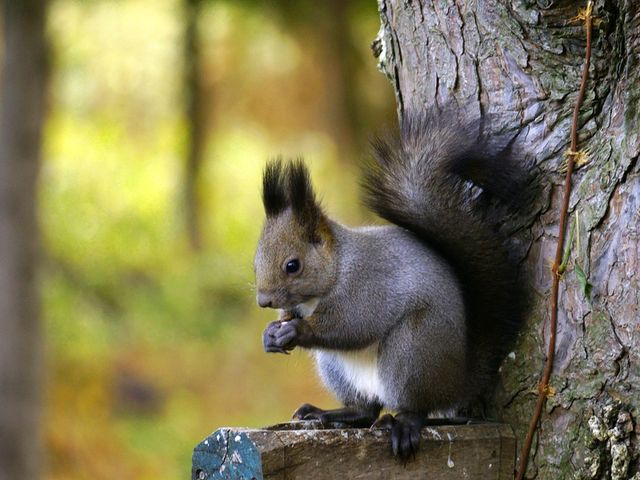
pixel 304 450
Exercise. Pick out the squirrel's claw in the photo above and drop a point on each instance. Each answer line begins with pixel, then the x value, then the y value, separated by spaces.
pixel 273 349
pixel 308 412
pixel 405 433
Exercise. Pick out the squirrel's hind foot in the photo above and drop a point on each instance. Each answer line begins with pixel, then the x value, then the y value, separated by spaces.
pixel 349 416
pixel 405 432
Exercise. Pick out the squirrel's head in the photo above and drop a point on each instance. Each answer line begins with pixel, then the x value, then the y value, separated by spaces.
pixel 295 262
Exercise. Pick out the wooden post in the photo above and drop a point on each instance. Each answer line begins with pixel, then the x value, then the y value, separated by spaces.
pixel 304 450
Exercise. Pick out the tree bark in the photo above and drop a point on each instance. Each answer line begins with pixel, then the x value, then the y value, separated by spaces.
pixel 520 61
pixel 23 85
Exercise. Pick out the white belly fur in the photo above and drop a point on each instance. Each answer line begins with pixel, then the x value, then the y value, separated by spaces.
pixel 360 369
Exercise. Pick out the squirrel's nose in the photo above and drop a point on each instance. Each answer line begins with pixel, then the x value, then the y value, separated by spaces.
pixel 264 300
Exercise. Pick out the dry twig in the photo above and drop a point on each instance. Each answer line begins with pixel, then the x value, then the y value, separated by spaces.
pixel 543 387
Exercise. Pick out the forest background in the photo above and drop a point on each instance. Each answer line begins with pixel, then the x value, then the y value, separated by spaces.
pixel 160 117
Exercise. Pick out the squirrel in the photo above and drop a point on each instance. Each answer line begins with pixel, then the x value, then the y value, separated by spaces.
pixel 415 316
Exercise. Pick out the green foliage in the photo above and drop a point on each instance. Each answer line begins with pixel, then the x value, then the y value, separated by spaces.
pixel 583 281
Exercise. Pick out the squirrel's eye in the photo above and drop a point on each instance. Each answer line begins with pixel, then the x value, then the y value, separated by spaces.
pixel 292 266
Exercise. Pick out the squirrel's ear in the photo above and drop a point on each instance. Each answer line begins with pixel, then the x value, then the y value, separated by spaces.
pixel 304 205
pixel 274 195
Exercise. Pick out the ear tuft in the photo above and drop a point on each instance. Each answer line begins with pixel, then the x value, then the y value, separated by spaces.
pixel 287 185
pixel 305 207
pixel 274 195
pixel 300 188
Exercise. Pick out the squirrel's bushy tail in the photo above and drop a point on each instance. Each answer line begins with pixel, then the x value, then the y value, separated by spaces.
pixel 421 181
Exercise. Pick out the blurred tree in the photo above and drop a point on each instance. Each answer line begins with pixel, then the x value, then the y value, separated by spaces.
pixel 331 27
pixel 196 120
pixel 342 59
pixel 23 88
pixel 327 29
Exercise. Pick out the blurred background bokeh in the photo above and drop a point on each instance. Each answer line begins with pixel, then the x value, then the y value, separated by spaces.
pixel 160 116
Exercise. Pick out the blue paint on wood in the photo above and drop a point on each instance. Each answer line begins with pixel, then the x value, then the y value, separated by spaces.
pixel 226 454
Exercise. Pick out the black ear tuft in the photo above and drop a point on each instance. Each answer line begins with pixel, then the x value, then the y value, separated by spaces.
pixel 303 201
pixel 274 195
pixel 300 188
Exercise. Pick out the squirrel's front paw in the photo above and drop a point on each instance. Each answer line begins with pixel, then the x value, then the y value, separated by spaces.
pixel 280 336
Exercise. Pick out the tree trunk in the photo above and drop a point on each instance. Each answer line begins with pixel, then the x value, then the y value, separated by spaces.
pixel 341 77
pixel 23 84
pixel 195 119
pixel 520 61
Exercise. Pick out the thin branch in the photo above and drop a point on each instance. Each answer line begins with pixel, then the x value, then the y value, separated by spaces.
pixel 543 387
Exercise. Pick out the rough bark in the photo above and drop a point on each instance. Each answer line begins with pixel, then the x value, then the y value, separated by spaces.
pixel 23 83
pixel 520 61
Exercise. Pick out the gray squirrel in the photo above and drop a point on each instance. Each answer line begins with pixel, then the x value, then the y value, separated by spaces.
pixel 416 316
